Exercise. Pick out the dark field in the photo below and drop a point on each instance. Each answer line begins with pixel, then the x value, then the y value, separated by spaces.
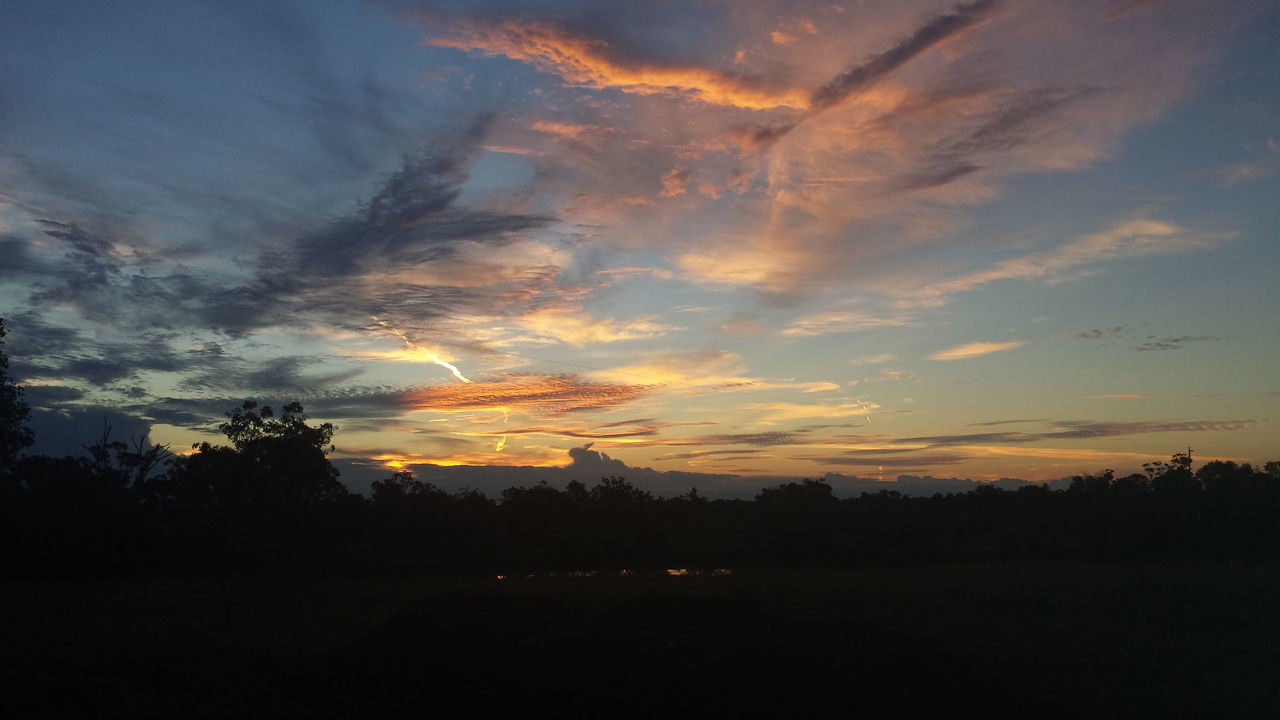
pixel 1095 641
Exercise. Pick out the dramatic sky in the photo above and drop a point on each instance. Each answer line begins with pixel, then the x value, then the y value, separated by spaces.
pixel 751 238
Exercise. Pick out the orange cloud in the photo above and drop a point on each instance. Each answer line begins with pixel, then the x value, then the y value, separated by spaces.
pixel 549 457
pixel 566 130
pixel 689 369
pixel 1055 453
pixel 581 433
pixel 840 321
pixel 633 271
pixel 573 326
pixel 535 394
pixel 673 183
pixel 780 411
pixel 510 150
pixel 975 349
pixel 1131 238
pixel 585 62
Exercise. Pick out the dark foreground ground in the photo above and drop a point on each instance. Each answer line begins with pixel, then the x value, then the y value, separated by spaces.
pixel 968 641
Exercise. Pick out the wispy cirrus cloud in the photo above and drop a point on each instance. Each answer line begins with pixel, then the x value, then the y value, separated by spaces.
pixel 914 462
pixel 1264 165
pixel 574 326
pixel 1078 430
pixel 1131 238
pixel 589 62
pixel 784 411
pixel 841 321
pixel 1145 343
pixel 1173 343
pixel 531 394
pixel 976 349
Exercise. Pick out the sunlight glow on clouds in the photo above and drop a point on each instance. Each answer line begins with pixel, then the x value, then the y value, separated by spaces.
pixel 576 327
pixel 740 214
pixel 1128 239
pixel 584 61
pixel 534 394
pixel 975 349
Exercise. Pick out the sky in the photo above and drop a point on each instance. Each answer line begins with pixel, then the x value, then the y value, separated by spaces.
pixel 707 243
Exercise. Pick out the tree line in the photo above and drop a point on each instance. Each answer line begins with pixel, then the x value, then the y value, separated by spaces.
pixel 270 499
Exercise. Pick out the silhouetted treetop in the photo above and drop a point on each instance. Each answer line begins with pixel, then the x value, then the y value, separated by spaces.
pixel 247 425
pixel 14 433
pixel 272 462
pixel 804 492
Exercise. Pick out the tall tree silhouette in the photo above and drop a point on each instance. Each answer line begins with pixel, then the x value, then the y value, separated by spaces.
pixel 14 433
pixel 273 462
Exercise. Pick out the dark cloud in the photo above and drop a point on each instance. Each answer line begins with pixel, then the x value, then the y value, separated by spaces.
pixel 915 485
pixel 80 240
pixel 1079 429
pixel 938 176
pixel 1096 334
pixel 928 35
pixel 969 439
pixel 335 274
pixel 49 396
pixel 203 413
pixel 887 460
pixel 867 73
pixel 1015 123
pixel 1087 429
pixel 1173 343
pixel 215 369
pixel 1007 422
pixel 17 258
pixel 44 351
pixel 353 116
pixel 1121 333
pixel 68 431
pixel 411 219
pixel 137 292
pixel 760 439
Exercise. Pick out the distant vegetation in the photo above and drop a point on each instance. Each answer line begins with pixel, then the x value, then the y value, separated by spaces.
pixel 271 499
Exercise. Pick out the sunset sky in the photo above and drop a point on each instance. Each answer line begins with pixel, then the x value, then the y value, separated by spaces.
pixel 739 238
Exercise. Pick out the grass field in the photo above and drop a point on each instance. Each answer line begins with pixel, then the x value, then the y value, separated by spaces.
pixel 1067 640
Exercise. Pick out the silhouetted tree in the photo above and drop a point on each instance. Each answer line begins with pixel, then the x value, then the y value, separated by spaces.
pixel 396 489
pixel 1099 484
pixel 1131 486
pixel 804 492
pixel 15 436
pixel 272 463
pixel 617 491
pixel 1173 478
pixel 576 491
pixel 128 465
pixel 272 496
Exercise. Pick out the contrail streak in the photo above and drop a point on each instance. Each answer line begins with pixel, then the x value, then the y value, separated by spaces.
pixel 411 345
